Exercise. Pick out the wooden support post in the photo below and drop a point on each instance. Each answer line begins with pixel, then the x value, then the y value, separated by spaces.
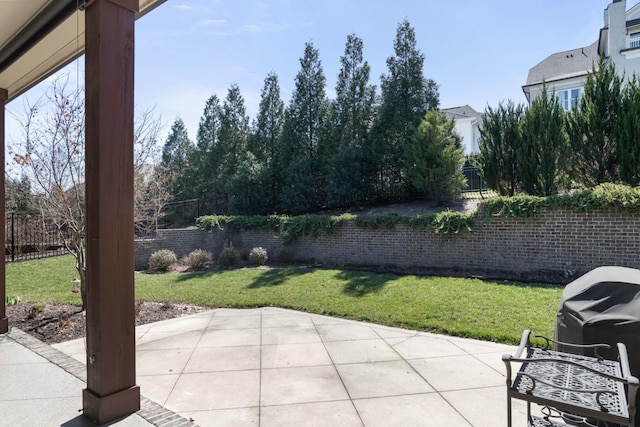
pixel 111 391
pixel 4 322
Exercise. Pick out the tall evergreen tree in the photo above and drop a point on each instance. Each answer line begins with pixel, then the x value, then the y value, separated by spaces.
pixel 234 132
pixel 542 153
pixel 233 137
pixel 592 128
pixel 355 97
pixel 267 130
pixel 176 154
pixel 268 125
pixel 352 173
pixel 18 195
pixel 302 137
pixel 500 136
pixel 206 156
pixel 628 133
pixel 406 96
pixel 209 125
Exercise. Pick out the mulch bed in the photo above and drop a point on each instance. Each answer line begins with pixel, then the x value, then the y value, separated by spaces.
pixel 54 323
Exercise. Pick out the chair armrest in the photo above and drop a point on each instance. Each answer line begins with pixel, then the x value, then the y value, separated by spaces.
pixel 508 358
pixel 524 344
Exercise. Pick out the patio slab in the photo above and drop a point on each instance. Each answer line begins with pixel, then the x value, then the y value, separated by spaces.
pixel 271 367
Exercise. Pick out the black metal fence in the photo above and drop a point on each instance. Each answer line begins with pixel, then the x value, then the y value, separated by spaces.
pixel 179 214
pixel 30 237
pixel 474 180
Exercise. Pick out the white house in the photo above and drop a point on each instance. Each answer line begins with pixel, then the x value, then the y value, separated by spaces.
pixel 566 72
pixel 467 123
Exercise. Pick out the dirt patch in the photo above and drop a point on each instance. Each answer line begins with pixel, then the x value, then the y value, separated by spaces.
pixel 420 207
pixel 54 323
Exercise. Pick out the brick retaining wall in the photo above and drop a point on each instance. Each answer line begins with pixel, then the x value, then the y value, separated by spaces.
pixel 553 242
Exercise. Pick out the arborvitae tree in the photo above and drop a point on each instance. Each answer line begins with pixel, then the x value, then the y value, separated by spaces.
pixel 267 130
pixel 542 153
pixel 355 97
pixel 500 137
pixel 176 154
pixel 352 173
pixel 302 138
pixel 592 128
pixel 406 97
pixel 268 125
pixel 177 147
pixel 206 157
pixel 207 136
pixel 233 136
pixel 434 159
pixel 231 149
pixel 628 133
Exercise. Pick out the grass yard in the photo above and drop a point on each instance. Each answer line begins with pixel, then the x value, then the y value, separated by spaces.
pixel 496 311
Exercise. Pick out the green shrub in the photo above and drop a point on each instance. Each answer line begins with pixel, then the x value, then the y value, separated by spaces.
pixel 162 260
pixel 198 259
pixel 258 256
pixel 229 257
pixel 244 254
pixel 286 255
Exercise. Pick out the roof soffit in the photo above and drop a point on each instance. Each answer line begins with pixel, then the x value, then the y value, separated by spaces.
pixel 53 51
pixel 15 14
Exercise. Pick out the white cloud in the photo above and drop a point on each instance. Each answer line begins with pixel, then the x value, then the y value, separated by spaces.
pixel 251 28
pixel 263 27
pixel 213 22
pixel 182 7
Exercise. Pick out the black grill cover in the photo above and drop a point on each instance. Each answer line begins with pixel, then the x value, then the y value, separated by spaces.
pixel 603 306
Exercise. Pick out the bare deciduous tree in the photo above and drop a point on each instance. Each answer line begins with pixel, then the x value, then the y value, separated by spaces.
pixel 51 152
pixel 151 195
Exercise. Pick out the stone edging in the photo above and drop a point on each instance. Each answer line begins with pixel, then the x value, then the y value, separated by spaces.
pixel 150 411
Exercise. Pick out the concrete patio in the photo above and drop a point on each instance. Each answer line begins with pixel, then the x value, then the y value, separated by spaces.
pixel 270 367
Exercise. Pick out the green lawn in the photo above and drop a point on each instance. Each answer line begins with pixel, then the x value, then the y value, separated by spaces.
pixel 496 311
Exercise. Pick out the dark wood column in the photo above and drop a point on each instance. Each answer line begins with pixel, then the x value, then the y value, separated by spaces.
pixel 111 375
pixel 4 323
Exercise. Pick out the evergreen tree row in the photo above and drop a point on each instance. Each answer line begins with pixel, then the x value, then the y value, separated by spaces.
pixel 316 153
pixel 543 150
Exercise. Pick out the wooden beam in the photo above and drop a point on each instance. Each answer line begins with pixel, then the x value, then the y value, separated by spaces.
pixel 4 322
pixel 111 390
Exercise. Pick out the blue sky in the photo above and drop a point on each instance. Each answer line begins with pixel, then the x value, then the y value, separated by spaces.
pixel 479 52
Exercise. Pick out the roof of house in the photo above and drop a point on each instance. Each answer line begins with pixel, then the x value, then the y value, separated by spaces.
pixel 633 14
pixel 462 112
pixel 563 65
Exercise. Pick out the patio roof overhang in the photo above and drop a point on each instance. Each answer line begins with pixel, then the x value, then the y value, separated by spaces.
pixel 38 37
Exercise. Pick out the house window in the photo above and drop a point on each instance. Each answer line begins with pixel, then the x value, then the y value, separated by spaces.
pixel 634 39
pixel 569 98
pixel 563 97
pixel 576 94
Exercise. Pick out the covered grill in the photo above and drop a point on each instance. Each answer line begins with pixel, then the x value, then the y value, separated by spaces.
pixel 602 306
